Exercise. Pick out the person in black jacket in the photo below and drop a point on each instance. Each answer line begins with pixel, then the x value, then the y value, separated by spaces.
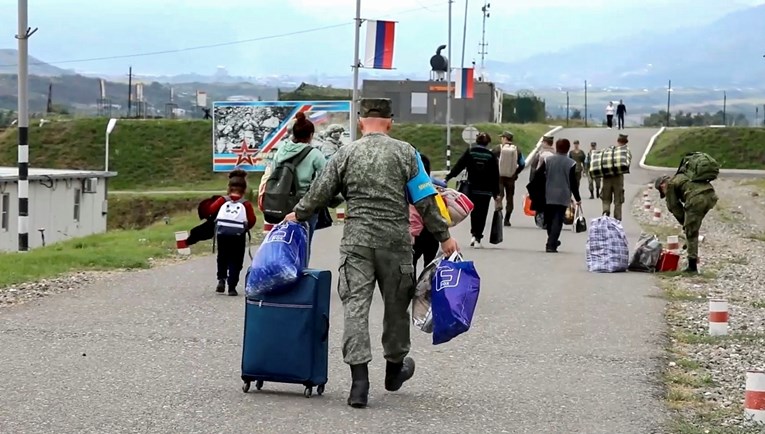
pixel 483 183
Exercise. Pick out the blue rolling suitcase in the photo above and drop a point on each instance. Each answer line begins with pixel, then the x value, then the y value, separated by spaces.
pixel 286 335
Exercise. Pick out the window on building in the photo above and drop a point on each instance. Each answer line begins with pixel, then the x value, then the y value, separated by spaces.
pixel 419 103
pixel 77 204
pixel 5 211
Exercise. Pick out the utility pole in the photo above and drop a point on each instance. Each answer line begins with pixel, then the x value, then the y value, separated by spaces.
pixel 669 98
pixel 567 108
pixel 356 65
pixel 23 106
pixel 464 34
pixel 449 92
pixel 483 52
pixel 130 92
pixel 585 103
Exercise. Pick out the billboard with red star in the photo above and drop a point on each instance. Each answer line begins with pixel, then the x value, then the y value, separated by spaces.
pixel 244 132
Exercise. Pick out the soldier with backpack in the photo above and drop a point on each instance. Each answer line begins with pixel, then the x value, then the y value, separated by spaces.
pixel 234 217
pixel 511 164
pixel 295 165
pixel 690 196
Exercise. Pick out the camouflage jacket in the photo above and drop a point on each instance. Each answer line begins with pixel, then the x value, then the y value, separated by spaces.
pixel 681 190
pixel 371 174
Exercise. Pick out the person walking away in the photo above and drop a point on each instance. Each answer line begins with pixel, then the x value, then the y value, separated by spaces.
pixel 593 181
pixel 690 196
pixel 613 186
pixel 483 180
pixel 621 110
pixel 544 150
pixel 310 162
pixel 579 158
pixel 332 142
pixel 425 245
pixel 234 217
pixel 372 173
pixel 560 184
pixel 511 164
pixel 610 109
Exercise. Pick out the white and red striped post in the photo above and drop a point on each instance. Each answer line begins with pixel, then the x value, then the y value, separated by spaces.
pixel 181 244
pixel 754 401
pixel 657 214
pixel 673 243
pixel 340 214
pixel 718 317
pixel 647 204
pixel 645 194
pixel 267 227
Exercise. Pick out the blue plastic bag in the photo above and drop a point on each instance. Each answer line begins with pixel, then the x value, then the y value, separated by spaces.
pixel 454 297
pixel 279 261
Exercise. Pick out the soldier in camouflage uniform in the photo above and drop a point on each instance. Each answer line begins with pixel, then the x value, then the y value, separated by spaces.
pixel 371 174
pixel 613 187
pixel 689 202
pixel 332 140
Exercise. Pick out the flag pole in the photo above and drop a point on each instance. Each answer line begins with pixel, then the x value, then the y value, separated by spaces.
pixel 449 93
pixel 356 64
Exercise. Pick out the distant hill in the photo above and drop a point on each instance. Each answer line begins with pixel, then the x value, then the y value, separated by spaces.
pixel 9 60
pixel 724 52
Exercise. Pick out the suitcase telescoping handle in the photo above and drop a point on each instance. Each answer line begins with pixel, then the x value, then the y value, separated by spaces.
pixel 325 335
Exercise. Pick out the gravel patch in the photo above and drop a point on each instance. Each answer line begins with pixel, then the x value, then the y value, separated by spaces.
pixel 732 263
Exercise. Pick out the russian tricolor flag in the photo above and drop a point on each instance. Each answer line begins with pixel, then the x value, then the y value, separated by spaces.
pixel 464 84
pixel 380 36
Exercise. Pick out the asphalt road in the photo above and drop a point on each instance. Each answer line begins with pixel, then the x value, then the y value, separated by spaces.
pixel 553 349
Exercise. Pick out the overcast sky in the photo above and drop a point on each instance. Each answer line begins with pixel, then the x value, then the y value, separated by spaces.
pixel 85 29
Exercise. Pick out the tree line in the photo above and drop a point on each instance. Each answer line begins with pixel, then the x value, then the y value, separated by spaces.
pixel 682 119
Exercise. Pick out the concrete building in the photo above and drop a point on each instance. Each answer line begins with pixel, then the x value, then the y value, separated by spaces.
pixel 424 102
pixel 65 203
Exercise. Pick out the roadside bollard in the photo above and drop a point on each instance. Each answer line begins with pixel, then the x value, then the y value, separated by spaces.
pixel 754 401
pixel 180 243
pixel 340 214
pixel 673 242
pixel 656 214
pixel 718 317
pixel 647 205
pixel 267 227
pixel 645 195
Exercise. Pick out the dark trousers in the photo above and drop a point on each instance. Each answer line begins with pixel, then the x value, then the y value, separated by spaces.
pixel 231 257
pixel 507 190
pixel 620 119
pixel 610 121
pixel 554 215
pixel 480 212
pixel 425 247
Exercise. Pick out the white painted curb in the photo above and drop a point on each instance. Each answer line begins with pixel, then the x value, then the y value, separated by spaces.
pixel 539 143
pixel 664 169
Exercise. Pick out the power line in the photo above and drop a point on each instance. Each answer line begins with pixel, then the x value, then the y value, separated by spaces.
pixel 224 44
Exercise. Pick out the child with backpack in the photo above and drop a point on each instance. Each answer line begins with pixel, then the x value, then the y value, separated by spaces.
pixel 234 217
pixel 295 165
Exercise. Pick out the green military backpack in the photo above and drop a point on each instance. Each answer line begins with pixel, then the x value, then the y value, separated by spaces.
pixel 699 167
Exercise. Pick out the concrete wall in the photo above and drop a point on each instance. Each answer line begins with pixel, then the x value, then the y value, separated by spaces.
pixel 480 109
pixel 53 209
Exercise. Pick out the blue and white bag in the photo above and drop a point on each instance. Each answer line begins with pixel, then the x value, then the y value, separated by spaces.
pixel 607 247
pixel 279 261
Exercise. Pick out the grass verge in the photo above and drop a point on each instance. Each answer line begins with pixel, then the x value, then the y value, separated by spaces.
pixel 732 147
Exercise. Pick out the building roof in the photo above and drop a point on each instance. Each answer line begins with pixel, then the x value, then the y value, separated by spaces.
pixel 12 174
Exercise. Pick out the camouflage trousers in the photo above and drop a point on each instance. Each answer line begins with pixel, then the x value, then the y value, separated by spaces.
pixel 613 192
pixel 695 211
pixel 392 270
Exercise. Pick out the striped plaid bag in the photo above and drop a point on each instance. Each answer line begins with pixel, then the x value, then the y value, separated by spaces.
pixel 613 161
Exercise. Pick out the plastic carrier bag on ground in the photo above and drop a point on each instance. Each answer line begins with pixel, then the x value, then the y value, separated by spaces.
pixel 279 261
pixel 607 248
pixel 647 253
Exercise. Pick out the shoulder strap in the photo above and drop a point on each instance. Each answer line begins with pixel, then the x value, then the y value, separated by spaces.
pixel 300 156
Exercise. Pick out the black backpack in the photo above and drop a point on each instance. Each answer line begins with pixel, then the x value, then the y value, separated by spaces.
pixel 280 195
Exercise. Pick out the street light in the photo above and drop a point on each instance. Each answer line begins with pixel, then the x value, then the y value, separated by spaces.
pixel 109 128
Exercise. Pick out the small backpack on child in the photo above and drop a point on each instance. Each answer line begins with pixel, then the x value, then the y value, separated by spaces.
pixel 508 160
pixel 231 218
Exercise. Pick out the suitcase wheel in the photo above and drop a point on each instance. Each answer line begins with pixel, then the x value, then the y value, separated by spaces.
pixel 308 392
pixel 258 384
pixel 320 390
pixel 246 387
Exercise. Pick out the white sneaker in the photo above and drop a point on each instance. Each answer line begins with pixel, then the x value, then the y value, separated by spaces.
pixel 472 242
pixel 478 245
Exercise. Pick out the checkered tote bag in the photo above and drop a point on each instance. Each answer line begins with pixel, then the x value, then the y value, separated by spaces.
pixel 615 160
pixel 607 248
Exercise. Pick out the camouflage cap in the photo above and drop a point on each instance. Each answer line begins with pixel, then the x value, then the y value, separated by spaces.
pixel 548 139
pixel 593 144
pixel 507 134
pixel 623 138
pixel 375 108
pixel 658 182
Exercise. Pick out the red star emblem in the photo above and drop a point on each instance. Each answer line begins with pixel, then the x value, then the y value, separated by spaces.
pixel 244 155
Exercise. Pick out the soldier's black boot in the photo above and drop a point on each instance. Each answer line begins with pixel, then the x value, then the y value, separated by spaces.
pixel 221 286
pixel 692 266
pixel 359 386
pixel 597 193
pixel 396 374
